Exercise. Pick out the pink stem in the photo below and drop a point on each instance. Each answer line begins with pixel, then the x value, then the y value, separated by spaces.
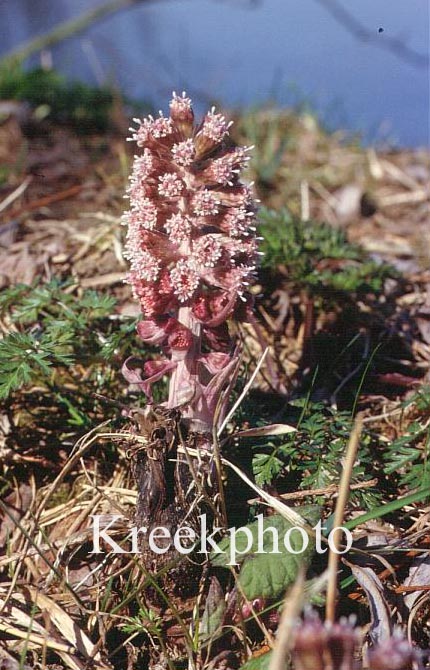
pixel 184 381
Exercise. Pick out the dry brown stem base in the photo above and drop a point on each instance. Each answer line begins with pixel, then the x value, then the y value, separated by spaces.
pixel 172 490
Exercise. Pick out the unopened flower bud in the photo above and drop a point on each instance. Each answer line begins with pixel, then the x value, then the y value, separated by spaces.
pixel 310 644
pixel 343 639
pixel 393 654
pixel 181 113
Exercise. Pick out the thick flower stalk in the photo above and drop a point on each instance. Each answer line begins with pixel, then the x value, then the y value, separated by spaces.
pixel 192 251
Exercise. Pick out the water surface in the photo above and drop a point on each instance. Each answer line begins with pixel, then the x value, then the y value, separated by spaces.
pixel 244 53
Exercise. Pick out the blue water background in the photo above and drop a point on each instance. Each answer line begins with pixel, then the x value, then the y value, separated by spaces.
pixel 243 53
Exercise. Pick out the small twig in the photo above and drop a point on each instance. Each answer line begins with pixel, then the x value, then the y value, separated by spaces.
pixel 344 488
pixel 103 280
pixel 39 640
pixel 419 195
pixel 325 195
pixel 332 490
pixel 110 401
pixel 287 512
pixel 48 200
pixel 15 194
pixel 219 470
pixel 304 200
pixel 308 333
pixel 384 416
pixel 412 589
pixel 244 392
pixel 399 175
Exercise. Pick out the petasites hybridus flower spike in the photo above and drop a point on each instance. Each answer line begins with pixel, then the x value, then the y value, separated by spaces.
pixel 192 251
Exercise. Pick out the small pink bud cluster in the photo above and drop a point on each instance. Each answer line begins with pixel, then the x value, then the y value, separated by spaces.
pixel 192 249
pixel 395 653
pixel 319 646
pixel 324 647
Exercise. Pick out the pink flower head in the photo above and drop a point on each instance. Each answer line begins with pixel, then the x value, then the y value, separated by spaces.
pixel 207 251
pixel 169 185
pixel 178 227
pixel 205 203
pixel 213 131
pixel 151 129
pixel 184 152
pixel 190 241
pixel 184 279
pixel 225 170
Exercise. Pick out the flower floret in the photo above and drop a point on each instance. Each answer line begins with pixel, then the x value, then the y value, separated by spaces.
pixel 185 280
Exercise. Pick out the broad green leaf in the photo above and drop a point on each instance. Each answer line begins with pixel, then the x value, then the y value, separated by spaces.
pixel 258 663
pixel 213 615
pixel 268 574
